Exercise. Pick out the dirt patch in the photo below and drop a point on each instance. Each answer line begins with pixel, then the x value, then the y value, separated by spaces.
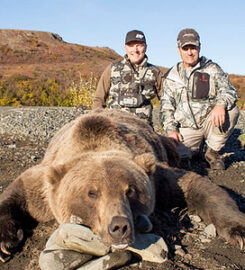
pixel 18 154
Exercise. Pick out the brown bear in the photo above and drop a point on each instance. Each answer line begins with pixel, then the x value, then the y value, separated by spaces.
pixel 107 170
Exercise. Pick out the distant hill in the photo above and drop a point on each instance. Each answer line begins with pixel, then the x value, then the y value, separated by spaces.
pixel 39 68
pixel 35 53
pixel 239 83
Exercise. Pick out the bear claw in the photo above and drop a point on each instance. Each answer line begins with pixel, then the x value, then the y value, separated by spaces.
pixel 240 241
pixel 4 250
pixel 2 259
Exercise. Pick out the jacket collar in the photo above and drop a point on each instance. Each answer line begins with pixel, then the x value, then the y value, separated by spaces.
pixel 174 72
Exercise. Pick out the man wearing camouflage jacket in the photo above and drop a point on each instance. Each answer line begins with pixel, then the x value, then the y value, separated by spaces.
pixel 132 83
pixel 198 102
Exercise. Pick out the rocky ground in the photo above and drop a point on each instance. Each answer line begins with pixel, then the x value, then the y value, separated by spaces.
pixel 24 135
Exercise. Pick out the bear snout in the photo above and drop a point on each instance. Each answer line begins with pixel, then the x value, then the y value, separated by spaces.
pixel 120 230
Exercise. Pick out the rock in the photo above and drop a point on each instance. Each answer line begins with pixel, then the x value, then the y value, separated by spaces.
pixel 205 240
pixel 150 247
pixel 11 146
pixel 195 218
pixel 74 244
pixel 210 231
pixel 180 252
pixel 79 238
pixel 236 165
pixel 110 261
pixel 177 247
pixel 69 247
pixel 188 257
pixel 60 259
pixel 242 163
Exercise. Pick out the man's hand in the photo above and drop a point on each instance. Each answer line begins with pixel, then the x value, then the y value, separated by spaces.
pixel 175 136
pixel 217 116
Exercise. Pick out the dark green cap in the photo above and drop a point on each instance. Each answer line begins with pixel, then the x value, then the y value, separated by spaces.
pixel 188 36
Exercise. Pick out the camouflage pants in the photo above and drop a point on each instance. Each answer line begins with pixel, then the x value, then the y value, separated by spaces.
pixel 215 137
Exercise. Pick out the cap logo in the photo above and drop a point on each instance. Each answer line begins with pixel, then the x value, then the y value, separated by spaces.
pixel 139 36
pixel 189 35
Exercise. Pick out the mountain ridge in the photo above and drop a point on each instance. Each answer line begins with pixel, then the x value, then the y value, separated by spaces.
pixel 26 47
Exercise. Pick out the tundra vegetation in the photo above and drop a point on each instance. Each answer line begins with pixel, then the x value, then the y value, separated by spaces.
pixel 21 90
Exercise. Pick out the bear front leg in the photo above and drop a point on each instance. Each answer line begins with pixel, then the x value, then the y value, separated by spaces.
pixel 12 208
pixel 214 205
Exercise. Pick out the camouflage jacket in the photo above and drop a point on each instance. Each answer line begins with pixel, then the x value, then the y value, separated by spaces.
pixel 129 87
pixel 189 98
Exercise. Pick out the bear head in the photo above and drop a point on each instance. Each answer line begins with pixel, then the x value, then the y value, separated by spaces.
pixel 106 191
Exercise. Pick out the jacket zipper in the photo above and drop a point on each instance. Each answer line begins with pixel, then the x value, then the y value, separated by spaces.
pixel 188 101
pixel 188 98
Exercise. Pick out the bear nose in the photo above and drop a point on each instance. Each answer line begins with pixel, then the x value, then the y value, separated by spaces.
pixel 119 228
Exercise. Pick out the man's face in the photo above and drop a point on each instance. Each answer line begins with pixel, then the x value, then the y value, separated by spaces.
pixel 135 51
pixel 189 55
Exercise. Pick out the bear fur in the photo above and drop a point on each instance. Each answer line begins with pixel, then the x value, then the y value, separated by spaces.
pixel 105 170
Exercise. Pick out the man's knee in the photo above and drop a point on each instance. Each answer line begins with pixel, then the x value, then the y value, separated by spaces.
pixel 219 135
pixel 233 116
pixel 231 119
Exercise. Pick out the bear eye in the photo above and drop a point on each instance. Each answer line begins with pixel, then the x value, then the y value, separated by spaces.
pixel 131 192
pixel 94 194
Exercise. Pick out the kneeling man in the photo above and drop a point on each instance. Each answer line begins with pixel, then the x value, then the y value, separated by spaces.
pixel 198 102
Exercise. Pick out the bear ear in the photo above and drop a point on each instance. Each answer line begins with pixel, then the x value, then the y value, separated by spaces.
pixel 147 162
pixel 55 173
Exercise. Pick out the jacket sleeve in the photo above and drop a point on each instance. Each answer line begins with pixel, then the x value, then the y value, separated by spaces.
pixel 167 108
pixel 102 90
pixel 159 84
pixel 226 93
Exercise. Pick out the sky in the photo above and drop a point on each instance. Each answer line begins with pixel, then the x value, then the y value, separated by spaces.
pixel 104 23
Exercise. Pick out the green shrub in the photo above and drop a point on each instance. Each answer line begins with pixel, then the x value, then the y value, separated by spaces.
pixel 82 93
pixel 22 90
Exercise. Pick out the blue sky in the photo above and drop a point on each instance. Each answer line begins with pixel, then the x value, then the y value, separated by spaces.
pixel 104 23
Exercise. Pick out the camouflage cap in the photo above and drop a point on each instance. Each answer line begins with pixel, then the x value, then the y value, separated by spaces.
pixel 188 36
pixel 135 35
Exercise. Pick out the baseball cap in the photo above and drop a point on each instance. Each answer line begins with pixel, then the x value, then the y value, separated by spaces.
pixel 188 36
pixel 135 35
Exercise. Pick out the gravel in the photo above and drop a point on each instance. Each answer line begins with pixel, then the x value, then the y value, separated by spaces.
pixel 40 123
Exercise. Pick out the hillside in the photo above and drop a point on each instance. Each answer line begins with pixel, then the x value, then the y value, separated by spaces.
pixel 34 52
pixel 39 68
pixel 239 83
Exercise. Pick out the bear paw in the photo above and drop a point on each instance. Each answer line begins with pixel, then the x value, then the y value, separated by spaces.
pixel 10 242
pixel 237 236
